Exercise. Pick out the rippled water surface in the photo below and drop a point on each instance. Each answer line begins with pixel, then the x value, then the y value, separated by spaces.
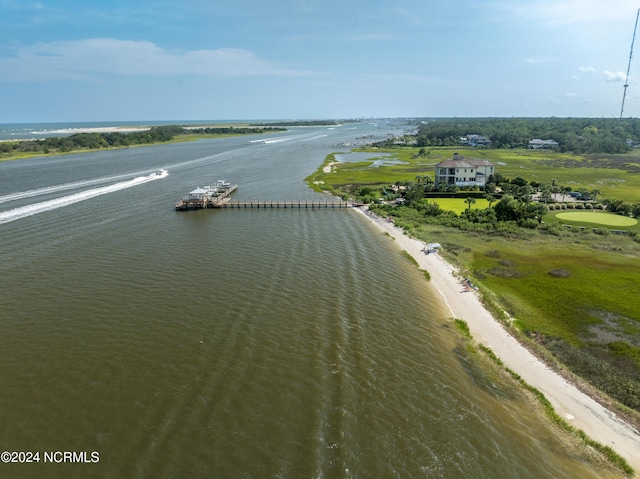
pixel 234 343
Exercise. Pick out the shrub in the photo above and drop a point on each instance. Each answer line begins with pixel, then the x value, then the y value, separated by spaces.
pixel 579 206
pixel 529 223
pixel 462 327
pixel 588 206
pixel 570 206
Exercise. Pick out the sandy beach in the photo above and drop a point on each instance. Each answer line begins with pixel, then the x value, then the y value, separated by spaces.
pixel 101 129
pixel 576 407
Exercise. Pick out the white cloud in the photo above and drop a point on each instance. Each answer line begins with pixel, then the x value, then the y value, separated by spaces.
pixel 87 58
pixel 614 76
pixel 587 69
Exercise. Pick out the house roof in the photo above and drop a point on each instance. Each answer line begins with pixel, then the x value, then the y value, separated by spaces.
pixel 462 162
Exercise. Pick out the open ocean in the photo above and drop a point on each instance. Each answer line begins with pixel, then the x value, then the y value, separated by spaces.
pixel 234 343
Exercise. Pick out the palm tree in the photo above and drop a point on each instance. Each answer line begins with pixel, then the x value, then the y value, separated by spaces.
pixel 490 199
pixel 545 194
pixel 469 201
pixel 428 183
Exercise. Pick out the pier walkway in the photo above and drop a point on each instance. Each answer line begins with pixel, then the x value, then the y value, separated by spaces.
pixel 288 204
pixel 219 197
pixel 265 204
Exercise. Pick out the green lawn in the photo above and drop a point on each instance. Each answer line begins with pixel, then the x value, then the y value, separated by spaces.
pixel 598 218
pixel 458 205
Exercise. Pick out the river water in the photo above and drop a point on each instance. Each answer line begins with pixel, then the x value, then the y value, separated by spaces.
pixel 234 343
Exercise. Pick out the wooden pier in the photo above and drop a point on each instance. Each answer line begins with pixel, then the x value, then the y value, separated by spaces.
pixel 208 197
pixel 265 204
pixel 287 204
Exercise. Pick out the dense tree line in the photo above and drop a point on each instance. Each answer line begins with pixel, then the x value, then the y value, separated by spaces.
pixel 234 130
pixel 96 141
pixel 577 135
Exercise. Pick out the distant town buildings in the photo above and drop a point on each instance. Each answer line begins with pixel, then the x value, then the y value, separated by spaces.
pixel 462 171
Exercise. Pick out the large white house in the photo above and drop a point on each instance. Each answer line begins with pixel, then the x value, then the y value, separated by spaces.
pixel 461 171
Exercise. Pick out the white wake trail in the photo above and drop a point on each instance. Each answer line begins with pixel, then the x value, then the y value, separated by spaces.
pixel 55 189
pixel 35 208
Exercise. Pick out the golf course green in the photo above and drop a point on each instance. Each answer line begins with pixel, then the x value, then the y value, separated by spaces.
pixel 596 217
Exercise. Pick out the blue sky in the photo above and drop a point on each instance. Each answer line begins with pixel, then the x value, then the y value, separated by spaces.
pixel 113 60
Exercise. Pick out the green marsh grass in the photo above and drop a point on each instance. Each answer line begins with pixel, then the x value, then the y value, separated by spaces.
pixel 569 170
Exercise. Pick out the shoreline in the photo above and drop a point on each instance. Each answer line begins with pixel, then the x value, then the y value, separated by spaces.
pixel 578 409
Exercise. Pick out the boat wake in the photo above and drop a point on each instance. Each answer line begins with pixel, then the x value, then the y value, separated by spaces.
pixel 302 137
pixel 35 208
pixel 20 195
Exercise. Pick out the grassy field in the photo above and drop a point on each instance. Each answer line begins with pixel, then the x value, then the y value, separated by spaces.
pixel 364 172
pixel 616 176
pixel 608 173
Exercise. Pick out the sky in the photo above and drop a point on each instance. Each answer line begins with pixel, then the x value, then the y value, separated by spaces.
pixel 137 60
